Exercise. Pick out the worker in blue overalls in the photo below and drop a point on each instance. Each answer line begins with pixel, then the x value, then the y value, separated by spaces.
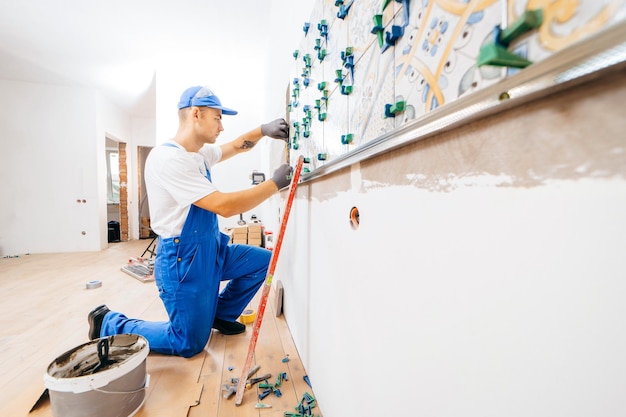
pixel 193 256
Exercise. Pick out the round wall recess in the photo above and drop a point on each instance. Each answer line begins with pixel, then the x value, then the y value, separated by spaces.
pixel 354 218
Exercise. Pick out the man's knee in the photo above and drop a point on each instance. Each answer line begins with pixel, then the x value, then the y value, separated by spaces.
pixel 265 256
pixel 191 342
pixel 190 349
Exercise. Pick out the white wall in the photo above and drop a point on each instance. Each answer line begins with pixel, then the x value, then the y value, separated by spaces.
pixel 486 277
pixel 48 136
pixel 53 140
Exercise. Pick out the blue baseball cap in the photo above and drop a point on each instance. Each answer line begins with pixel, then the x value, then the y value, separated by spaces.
pixel 202 96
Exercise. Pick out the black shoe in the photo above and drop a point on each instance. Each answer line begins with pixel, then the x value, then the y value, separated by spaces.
pixel 95 318
pixel 228 327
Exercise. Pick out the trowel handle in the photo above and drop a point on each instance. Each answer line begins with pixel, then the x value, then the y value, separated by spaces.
pixel 103 350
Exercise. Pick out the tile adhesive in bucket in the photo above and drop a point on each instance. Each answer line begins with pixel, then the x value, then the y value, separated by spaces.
pixel 105 377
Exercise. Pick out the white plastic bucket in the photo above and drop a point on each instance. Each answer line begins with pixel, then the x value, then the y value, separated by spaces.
pixel 79 386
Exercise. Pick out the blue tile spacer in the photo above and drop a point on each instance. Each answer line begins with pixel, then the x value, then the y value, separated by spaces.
pixel 344 9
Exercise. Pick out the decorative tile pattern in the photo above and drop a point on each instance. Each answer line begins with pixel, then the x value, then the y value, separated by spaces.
pixel 432 61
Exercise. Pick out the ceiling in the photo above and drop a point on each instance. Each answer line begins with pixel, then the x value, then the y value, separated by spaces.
pixel 115 45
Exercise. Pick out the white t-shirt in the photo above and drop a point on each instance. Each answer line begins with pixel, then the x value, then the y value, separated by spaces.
pixel 175 179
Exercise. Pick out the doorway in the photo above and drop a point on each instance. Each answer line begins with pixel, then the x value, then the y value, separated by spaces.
pixel 145 231
pixel 117 192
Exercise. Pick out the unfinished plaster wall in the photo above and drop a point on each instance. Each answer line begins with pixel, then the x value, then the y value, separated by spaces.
pixel 487 275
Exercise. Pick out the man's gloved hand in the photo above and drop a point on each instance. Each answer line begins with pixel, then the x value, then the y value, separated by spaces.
pixel 277 129
pixel 282 176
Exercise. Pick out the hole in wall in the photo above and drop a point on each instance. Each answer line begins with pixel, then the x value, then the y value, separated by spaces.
pixel 354 218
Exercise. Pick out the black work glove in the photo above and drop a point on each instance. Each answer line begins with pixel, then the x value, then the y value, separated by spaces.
pixel 282 176
pixel 277 129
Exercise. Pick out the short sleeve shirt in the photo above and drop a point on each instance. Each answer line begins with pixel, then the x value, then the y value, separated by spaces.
pixel 175 179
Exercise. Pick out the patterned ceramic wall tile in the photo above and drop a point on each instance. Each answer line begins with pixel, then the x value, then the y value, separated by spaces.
pixel 330 12
pixel 335 125
pixel 335 122
pixel 436 58
pixel 337 43
pixel 564 23
pixel 371 84
pixel 294 98
pixel 361 22
pixel 373 88
pixel 432 62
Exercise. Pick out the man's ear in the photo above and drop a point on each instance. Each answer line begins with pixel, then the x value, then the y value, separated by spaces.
pixel 195 112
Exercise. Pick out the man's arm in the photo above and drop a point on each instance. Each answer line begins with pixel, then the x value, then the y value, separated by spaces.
pixel 230 204
pixel 276 129
pixel 243 143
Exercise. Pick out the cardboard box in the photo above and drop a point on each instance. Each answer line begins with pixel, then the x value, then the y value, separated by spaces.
pixel 254 242
pixel 255 228
pixel 254 235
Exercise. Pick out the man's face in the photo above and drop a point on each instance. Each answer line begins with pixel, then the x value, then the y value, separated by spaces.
pixel 210 123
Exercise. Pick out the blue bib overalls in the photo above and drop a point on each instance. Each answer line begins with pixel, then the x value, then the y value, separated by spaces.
pixel 188 270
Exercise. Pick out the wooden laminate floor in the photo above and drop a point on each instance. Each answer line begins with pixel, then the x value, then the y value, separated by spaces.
pixel 43 314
